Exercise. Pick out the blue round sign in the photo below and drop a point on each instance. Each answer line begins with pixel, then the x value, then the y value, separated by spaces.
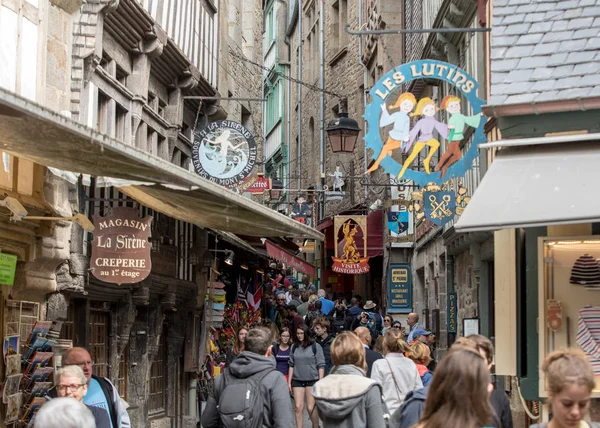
pixel 421 140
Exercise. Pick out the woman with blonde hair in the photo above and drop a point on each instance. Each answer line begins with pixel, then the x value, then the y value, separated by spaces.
pixel 422 133
pixel 570 380
pixel 397 374
pixel 346 398
pixel 399 133
pixel 421 356
pixel 459 392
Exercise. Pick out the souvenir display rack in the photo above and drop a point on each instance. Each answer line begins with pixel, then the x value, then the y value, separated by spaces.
pixel 29 370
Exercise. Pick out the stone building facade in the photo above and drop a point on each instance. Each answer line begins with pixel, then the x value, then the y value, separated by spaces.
pixel 329 68
pixel 133 70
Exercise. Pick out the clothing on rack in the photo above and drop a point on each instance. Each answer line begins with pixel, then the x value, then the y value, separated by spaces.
pixel 588 335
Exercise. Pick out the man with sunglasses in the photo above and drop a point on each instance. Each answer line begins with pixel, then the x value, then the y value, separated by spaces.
pixel 101 393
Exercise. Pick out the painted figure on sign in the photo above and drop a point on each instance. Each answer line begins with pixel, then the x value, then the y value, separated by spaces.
pixel 338 181
pixel 398 136
pixel 300 210
pixel 422 133
pixel 350 252
pixel 456 127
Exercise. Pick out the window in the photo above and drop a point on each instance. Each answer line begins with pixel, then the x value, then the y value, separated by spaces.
pixel 99 337
pixel 273 107
pixel 19 47
pixel 120 132
pixel 122 381
pixel 156 400
pixel 102 120
pixel 339 19
pixel 68 329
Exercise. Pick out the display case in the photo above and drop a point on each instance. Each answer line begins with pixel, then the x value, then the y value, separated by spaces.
pixel 569 299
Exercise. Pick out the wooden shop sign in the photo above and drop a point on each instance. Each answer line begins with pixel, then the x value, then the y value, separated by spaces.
pixel 121 250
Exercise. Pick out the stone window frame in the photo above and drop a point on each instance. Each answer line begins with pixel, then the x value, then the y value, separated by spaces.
pixel 339 37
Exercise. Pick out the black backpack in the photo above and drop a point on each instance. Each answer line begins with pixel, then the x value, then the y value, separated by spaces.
pixel 241 402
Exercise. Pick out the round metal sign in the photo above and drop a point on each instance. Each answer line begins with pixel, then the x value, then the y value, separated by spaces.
pixel 224 152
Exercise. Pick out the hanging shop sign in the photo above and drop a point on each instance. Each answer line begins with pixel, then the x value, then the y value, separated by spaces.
pixel 452 312
pixel 439 204
pixel 8 266
pixel 390 130
pixel 336 192
pixel 224 152
pixel 301 211
pixel 350 234
pixel 121 249
pixel 260 185
pixel 400 219
pixel 399 288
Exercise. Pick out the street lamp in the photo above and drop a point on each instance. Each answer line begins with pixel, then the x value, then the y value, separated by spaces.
pixel 342 131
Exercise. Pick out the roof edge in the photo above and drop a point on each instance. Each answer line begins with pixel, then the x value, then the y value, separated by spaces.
pixel 555 106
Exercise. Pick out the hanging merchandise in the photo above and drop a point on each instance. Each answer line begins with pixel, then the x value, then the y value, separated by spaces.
pixel 588 335
pixel 585 271
pixel 554 314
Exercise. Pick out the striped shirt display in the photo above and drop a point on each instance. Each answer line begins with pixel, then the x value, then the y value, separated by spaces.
pixel 588 335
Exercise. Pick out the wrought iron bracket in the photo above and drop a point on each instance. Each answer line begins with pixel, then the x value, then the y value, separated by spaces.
pixel 417 31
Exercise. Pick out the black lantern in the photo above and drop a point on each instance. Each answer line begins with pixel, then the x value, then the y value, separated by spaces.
pixel 342 132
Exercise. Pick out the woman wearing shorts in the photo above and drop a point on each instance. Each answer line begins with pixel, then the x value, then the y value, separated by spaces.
pixel 307 366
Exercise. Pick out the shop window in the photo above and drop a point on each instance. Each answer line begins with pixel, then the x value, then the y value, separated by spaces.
pixel 99 338
pixel 158 384
pixel 569 300
pixel 122 380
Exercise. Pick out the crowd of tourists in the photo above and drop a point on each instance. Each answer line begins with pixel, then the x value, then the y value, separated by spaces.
pixel 347 365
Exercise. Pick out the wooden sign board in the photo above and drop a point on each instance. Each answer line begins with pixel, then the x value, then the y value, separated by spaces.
pixel 121 250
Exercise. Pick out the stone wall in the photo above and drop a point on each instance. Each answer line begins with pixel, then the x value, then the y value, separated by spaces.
pixel 344 78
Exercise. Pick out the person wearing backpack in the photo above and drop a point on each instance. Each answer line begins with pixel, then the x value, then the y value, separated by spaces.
pixel 250 393
pixel 307 366
pixel 281 352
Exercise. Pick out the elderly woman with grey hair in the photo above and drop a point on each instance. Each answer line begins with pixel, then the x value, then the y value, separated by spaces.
pixel 65 412
pixel 72 383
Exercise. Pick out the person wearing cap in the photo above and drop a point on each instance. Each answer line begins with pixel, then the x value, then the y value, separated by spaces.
pixel 420 335
pixel 365 319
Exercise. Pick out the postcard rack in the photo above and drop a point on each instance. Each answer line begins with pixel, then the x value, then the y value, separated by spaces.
pixel 29 373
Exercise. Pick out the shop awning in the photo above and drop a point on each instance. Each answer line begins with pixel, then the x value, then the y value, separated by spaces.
pixel 232 238
pixel 281 255
pixel 552 181
pixel 33 132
